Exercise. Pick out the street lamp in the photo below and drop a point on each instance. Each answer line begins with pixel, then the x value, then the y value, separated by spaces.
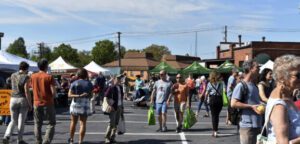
pixel 1 35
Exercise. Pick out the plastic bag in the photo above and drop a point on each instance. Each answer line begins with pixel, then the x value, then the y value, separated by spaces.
pixel 190 119
pixel 151 116
pixel 225 99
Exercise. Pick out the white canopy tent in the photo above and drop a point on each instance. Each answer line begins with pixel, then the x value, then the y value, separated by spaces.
pixel 269 64
pixel 95 68
pixel 10 62
pixel 59 65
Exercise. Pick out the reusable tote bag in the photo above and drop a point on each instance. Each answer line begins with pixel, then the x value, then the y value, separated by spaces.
pixel 151 116
pixel 190 119
pixel 225 99
pixel 260 139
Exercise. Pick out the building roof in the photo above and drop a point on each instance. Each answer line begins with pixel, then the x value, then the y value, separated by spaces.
pixel 180 58
pixel 177 65
pixel 138 55
pixel 133 62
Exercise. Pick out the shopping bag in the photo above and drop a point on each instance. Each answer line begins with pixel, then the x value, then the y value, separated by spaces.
pixel 260 139
pixel 190 119
pixel 151 116
pixel 225 99
pixel 121 126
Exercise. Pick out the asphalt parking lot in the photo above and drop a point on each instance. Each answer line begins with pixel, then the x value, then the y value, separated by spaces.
pixel 137 129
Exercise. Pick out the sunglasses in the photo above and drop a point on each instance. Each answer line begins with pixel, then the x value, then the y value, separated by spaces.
pixel 178 77
pixel 161 74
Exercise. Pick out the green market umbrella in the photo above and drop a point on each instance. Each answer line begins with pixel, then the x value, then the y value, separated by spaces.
pixel 164 66
pixel 196 68
pixel 227 67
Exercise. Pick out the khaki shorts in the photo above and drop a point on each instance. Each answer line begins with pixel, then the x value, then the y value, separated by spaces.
pixel 180 107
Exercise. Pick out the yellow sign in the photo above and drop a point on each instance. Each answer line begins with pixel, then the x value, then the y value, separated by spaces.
pixel 4 102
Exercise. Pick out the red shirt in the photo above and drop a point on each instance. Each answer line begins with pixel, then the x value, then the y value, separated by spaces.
pixel 41 86
pixel 297 103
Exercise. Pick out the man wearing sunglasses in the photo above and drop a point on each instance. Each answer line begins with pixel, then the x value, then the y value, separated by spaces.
pixel 180 90
pixel 161 92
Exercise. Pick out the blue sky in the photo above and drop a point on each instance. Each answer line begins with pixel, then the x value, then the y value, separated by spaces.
pixel 144 22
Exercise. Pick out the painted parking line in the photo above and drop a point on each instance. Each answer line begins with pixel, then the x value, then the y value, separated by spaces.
pixel 161 134
pixel 181 134
pixel 141 122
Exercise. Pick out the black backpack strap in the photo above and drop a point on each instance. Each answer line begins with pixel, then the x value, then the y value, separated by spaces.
pixel 216 89
pixel 245 91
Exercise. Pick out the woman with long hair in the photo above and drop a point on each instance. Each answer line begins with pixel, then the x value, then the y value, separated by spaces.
pixel 214 91
pixel 264 86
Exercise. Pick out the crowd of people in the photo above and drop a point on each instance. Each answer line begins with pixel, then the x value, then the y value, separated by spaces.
pixel 277 90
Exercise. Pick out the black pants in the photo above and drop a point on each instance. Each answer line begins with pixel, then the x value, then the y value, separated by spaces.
pixel 216 104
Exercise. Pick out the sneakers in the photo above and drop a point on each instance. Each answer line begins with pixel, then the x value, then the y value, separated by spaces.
pixel 206 115
pixel 113 141
pixel 164 129
pixel 107 141
pixel 159 130
pixel 70 141
pixel 5 140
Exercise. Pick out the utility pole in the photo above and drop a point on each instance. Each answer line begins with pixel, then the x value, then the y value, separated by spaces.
pixel 225 33
pixel 119 47
pixel 1 35
pixel 196 43
pixel 40 47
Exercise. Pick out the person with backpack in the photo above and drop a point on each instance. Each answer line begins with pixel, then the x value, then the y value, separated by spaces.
pixel 230 86
pixel 245 97
pixel 20 103
pixel 214 91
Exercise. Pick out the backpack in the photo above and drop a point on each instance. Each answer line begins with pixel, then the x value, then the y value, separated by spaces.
pixel 235 113
pixel 21 80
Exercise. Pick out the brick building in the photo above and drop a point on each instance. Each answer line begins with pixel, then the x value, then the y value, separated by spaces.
pixel 139 63
pixel 262 51
pixel 135 63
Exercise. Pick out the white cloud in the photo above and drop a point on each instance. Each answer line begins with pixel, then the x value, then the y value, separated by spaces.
pixel 149 10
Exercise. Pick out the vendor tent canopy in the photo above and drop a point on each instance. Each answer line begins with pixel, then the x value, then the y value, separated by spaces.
pixel 10 62
pixel 60 65
pixel 269 64
pixel 164 66
pixel 196 68
pixel 95 68
pixel 227 67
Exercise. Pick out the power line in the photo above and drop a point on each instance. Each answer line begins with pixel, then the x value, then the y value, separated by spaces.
pixel 81 39
pixel 261 29
pixel 178 32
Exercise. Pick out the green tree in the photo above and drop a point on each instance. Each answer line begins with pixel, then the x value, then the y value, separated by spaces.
pixel 44 52
pixel 85 58
pixel 18 48
pixel 68 53
pixel 157 50
pixel 104 52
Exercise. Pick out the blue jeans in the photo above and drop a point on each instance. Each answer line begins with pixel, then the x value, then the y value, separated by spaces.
pixel 201 101
pixel 6 120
